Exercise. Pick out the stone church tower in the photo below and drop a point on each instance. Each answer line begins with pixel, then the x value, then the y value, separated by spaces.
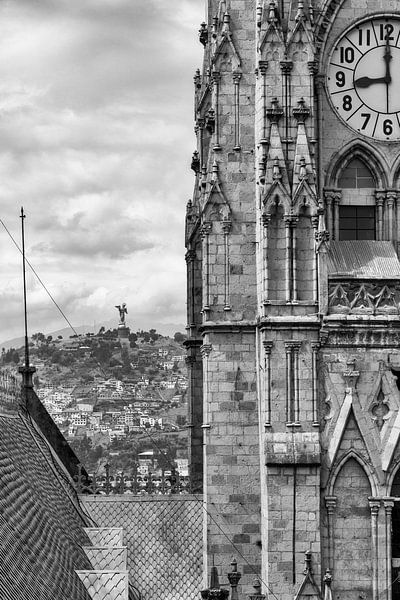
pixel 293 343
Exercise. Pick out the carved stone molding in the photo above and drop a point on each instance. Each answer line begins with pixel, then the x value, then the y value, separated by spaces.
pixel 349 297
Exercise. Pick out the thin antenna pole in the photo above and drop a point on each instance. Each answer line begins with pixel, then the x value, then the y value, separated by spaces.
pixel 26 371
pixel 24 280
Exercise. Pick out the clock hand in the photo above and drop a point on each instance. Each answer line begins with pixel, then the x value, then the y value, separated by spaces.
pixel 387 57
pixel 363 82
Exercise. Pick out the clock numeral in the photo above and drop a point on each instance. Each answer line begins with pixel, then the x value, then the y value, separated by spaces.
pixel 366 117
pixel 367 34
pixel 347 103
pixel 385 32
pixel 346 54
pixel 387 127
pixel 340 79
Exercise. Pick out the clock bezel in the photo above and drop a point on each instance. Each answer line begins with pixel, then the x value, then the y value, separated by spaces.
pixel 371 17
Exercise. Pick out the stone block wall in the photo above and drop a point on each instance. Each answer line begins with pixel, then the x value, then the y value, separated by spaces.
pixel 293 526
pixel 232 453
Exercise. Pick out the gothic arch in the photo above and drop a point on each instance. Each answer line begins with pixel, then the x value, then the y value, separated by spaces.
pixel 396 173
pixel 276 195
pixel 325 22
pixel 392 475
pixel 304 197
pixel 340 464
pixel 364 152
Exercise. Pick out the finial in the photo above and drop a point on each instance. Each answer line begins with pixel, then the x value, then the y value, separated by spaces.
pixel 276 171
pixel 303 169
pixel 215 170
pixel 307 560
pixel 328 585
pixel 197 79
pixel 259 12
pixel 300 11
pixel 311 12
pixel 214 27
pixel 272 13
pixel 203 34
pixel 195 164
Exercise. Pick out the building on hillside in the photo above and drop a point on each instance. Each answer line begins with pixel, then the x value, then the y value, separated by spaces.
pixel 292 241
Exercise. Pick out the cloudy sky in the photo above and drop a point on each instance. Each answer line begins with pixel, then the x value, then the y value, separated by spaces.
pixel 96 135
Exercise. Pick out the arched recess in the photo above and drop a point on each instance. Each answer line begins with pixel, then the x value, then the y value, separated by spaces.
pixel 305 255
pixel 363 152
pixel 276 244
pixel 352 531
pixel 354 196
pixel 351 454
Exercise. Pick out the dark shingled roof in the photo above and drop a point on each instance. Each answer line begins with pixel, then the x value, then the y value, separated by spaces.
pixel 41 523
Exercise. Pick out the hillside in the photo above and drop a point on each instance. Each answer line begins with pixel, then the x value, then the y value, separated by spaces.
pixel 111 402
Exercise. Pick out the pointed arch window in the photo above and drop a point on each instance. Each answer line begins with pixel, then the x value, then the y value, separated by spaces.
pixel 357 220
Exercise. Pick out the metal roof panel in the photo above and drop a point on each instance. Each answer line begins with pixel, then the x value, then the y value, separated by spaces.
pixel 363 259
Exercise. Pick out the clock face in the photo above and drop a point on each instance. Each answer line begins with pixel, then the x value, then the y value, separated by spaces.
pixel 363 78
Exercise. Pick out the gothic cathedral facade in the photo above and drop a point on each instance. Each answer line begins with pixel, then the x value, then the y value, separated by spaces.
pixel 293 345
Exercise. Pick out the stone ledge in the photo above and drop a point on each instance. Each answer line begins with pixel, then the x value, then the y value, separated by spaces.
pixel 295 448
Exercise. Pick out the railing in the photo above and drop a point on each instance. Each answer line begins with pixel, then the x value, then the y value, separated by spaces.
pixel 153 483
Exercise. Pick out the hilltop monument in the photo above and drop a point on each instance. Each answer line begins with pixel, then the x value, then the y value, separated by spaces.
pixel 123 330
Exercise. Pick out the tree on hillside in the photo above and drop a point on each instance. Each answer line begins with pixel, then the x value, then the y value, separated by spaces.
pixel 179 337
pixel 10 356
pixel 38 338
pixel 153 335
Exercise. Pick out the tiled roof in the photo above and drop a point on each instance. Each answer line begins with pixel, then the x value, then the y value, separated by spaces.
pixel 363 259
pixel 41 524
pixel 163 535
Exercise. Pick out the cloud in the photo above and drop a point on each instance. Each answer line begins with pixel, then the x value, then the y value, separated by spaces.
pixel 96 134
pixel 109 235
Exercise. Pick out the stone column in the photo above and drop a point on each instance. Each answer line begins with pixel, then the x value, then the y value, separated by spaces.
pixel 313 70
pixel 315 222
pixel 205 233
pixel 205 350
pixel 388 504
pixel 330 503
pixel 391 196
pixel 286 66
pixel 336 201
pixel 265 271
pixel 262 68
pixel 190 259
pixel 315 347
pixel 328 200
pixel 374 505
pixel 379 199
pixel 226 227
pixel 294 260
pixel 296 348
pixel 288 349
pixel 215 79
pixel 201 125
pixel 288 257
pixel 267 382
pixel 236 80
